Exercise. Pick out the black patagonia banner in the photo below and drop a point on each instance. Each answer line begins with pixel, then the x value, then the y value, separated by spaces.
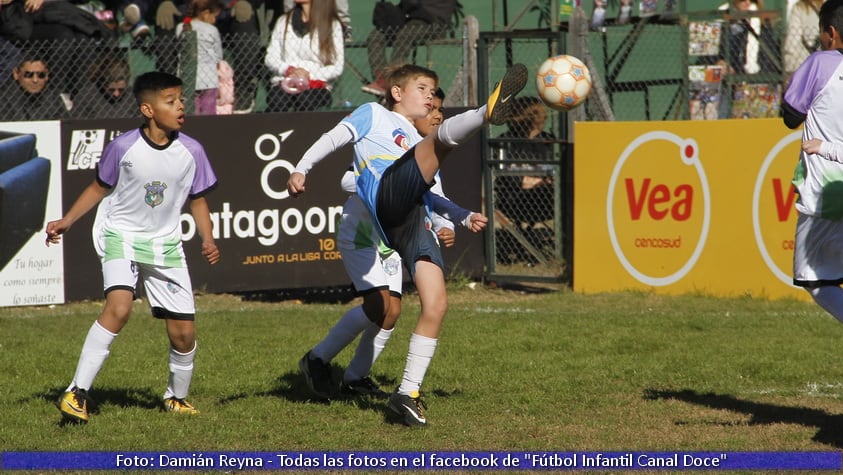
pixel 268 239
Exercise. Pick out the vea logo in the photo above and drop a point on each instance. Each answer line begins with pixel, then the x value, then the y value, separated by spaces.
pixel 658 208
pixel 773 213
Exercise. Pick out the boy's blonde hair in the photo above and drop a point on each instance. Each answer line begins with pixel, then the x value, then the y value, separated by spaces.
pixel 401 75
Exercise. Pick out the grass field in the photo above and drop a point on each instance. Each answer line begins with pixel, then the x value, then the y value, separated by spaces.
pixel 514 371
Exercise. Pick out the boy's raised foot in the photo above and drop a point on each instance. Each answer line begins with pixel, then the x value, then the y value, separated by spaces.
pixel 497 108
pixel 408 407
pixel 73 405
pixel 181 406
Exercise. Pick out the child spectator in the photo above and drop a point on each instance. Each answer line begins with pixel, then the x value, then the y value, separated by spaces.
pixel 106 94
pixel 201 17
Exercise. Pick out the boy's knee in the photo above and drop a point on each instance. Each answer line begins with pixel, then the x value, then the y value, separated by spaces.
pixel 183 343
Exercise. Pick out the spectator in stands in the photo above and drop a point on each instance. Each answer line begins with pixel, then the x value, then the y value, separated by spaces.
pixel 748 46
pixel 752 47
pixel 525 192
pixel 71 27
pixel 418 21
pixel 342 11
pixel 201 17
pixel 226 96
pixel 241 38
pixel 803 34
pixel 9 58
pixel 239 28
pixel 30 96
pixel 305 56
pixel 106 94
pixel 165 45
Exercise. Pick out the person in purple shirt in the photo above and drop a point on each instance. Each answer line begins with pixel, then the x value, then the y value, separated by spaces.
pixel 813 99
pixel 143 180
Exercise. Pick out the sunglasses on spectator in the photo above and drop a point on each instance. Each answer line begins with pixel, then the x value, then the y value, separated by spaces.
pixel 40 74
pixel 112 90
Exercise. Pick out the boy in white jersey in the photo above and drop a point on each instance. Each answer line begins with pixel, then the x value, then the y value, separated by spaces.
pixel 375 271
pixel 142 182
pixel 813 97
pixel 395 168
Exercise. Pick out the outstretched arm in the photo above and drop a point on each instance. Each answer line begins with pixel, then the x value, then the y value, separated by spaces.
pixel 329 142
pixel 455 213
pixel 89 198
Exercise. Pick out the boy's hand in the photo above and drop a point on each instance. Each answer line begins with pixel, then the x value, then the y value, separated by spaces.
pixel 54 231
pixel 477 222
pixel 446 237
pixel 812 146
pixel 295 185
pixel 211 252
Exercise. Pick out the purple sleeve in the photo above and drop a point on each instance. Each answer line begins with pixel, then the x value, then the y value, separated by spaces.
pixel 204 179
pixel 810 78
pixel 108 168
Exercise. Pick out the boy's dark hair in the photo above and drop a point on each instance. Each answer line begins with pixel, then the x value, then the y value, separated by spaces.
pixel 439 93
pixel 154 81
pixel 831 14
pixel 401 75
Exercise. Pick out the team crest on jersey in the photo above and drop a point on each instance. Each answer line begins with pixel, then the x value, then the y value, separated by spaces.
pixel 154 193
pixel 400 139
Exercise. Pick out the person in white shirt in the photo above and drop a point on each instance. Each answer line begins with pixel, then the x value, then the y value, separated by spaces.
pixel 305 56
pixel 802 36
pixel 201 17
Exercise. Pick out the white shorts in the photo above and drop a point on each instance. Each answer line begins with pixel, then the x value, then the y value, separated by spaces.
pixel 358 242
pixel 818 252
pixel 168 289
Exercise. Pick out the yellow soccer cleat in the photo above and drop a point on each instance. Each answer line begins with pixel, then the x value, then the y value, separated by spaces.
pixel 497 108
pixel 73 405
pixel 181 406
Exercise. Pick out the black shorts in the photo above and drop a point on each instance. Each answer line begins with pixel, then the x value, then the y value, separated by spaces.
pixel 402 215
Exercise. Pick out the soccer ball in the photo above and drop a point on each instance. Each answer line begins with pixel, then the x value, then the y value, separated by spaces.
pixel 563 82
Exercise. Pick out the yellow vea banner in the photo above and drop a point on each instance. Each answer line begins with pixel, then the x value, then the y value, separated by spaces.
pixel 685 206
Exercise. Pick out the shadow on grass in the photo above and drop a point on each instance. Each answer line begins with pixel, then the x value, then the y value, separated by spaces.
pixel 292 387
pixel 144 398
pixel 829 426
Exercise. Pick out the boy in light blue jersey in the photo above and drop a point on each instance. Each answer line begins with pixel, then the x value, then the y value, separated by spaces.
pixel 375 272
pixel 395 168
pixel 142 182
pixel 813 98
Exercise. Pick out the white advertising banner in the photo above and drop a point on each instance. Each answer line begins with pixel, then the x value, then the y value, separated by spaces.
pixel 34 273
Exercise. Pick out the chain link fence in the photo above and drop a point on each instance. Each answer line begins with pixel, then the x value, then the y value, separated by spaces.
pixel 703 66
pixel 91 78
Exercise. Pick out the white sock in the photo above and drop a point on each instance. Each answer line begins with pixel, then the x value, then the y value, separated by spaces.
pixel 94 352
pixel 830 298
pixel 371 344
pixel 341 335
pixel 458 129
pixel 418 359
pixel 181 373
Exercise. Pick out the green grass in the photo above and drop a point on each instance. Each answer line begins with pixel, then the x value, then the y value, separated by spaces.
pixel 513 371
